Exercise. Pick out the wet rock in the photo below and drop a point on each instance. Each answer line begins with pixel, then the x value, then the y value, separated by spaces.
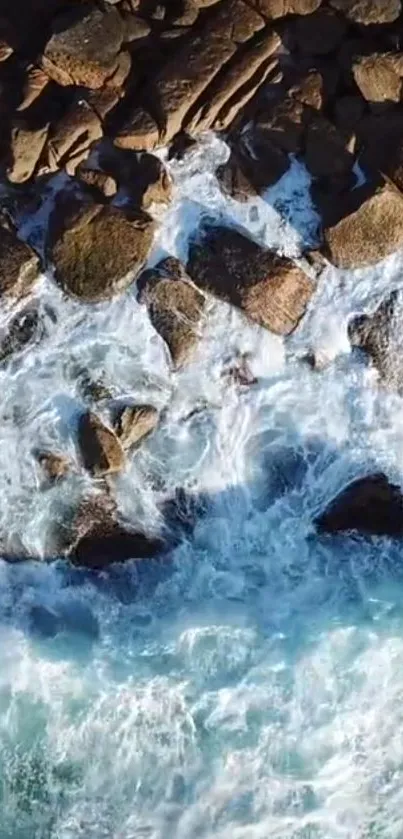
pixel 101 451
pixel 319 33
pixel 310 90
pixel 19 265
pixel 378 77
pixel 175 307
pixel 93 389
pixel 84 46
pixel 134 423
pixel 143 176
pixel 370 229
pixel 26 327
pixel 270 289
pixel 378 335
pixel 26 147
pixel 369 505
pixel 283 125
pixel 326 150
pixel 369 13
pixel 97 251
pixel 245 175
pixel 100 538
pixel 54 466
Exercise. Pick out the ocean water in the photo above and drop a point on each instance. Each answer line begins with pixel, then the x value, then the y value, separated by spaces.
pixel 251 686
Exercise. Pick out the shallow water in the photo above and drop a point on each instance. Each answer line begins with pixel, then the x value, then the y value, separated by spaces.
pixel 252 686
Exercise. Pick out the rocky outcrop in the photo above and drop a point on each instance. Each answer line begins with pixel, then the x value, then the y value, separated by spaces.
pixel 270 289
pixel 369 505
pixel 175 307
pixel 134 423
pixel 378 335
pixel 19 265
pixel 97 250
pixel 370 229
pixel 101 451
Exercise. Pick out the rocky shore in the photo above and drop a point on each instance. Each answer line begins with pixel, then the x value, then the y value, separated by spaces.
pixel 90 93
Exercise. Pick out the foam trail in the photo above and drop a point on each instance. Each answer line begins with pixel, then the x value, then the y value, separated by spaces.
pixel 253 690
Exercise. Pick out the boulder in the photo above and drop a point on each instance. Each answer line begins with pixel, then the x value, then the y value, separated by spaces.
pixel 84 46
pixel 98 183
pixel 101 451
pixel 134 423
pixel 283 124
pixel 99 538
pixel 348 112
pixel 245 175
pixel 270 289
pixel 369 505
pixel 378 77
pixel 378 335
pixel 370 227
pixel 310 90
pixel 175 307
pixel 34 84
pixel 273 9
pixel 26 146
pixel 19 265
pixel 143 176
pixel 326 148
pixel 97 251
pixel 26 327
pixel 139 131
pixel 369 12
pixel 319 33
pixel 72 136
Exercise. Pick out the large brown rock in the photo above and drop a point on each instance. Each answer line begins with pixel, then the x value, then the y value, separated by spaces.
pixel 19 265
pixel 378 76
pixel 369 505
pixel 369 12
pixel 97 252
pixel 273 9
pixel 370 229
pixel 175 307
pixel 379 336
pixel 271 289
pixel 139 131
pixel 101 451
pixel 84 46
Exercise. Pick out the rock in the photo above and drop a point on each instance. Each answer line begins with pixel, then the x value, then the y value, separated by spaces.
pixel 175 307
pixel 326 148
pixel 283 125
pixel 369 505
pixel 270 289
pixel 84 46
pixel 19 265
pixel 186 77
pixel 25 328
pixel 54 466
pixel 73 135
pixel 381 143
pixel 145 178
pixel 35 82
pixel 100 184
pixel 310 90
pixel 369 12
pixel 319 33
pixel 348 112
pixel 245 175
pixel 26 146
pixel 273 9
pixel 99 538
pixel 101 451
pixel 96 253
pixel 370 229
pixel 139 132
pixel 92 389
pixel 186 14
pixel 378 335
pixel 134 423
pixel 378 77
pixel 135 28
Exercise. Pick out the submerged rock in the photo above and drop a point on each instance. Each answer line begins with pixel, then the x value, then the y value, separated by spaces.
pixel 134 423
pixel 101 451
pixel 26 327
pixel 96 250
pixel 369 505
pixel 271 289
pixel 378 335
pixel 54 466
pixel 174 305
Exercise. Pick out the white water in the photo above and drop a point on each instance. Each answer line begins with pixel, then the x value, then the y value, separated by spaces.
pixel 253 688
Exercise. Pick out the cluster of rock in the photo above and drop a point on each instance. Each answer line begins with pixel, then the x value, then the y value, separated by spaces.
pixel 92 88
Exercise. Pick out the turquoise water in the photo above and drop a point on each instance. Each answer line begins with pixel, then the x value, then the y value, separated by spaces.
pixel 251 685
